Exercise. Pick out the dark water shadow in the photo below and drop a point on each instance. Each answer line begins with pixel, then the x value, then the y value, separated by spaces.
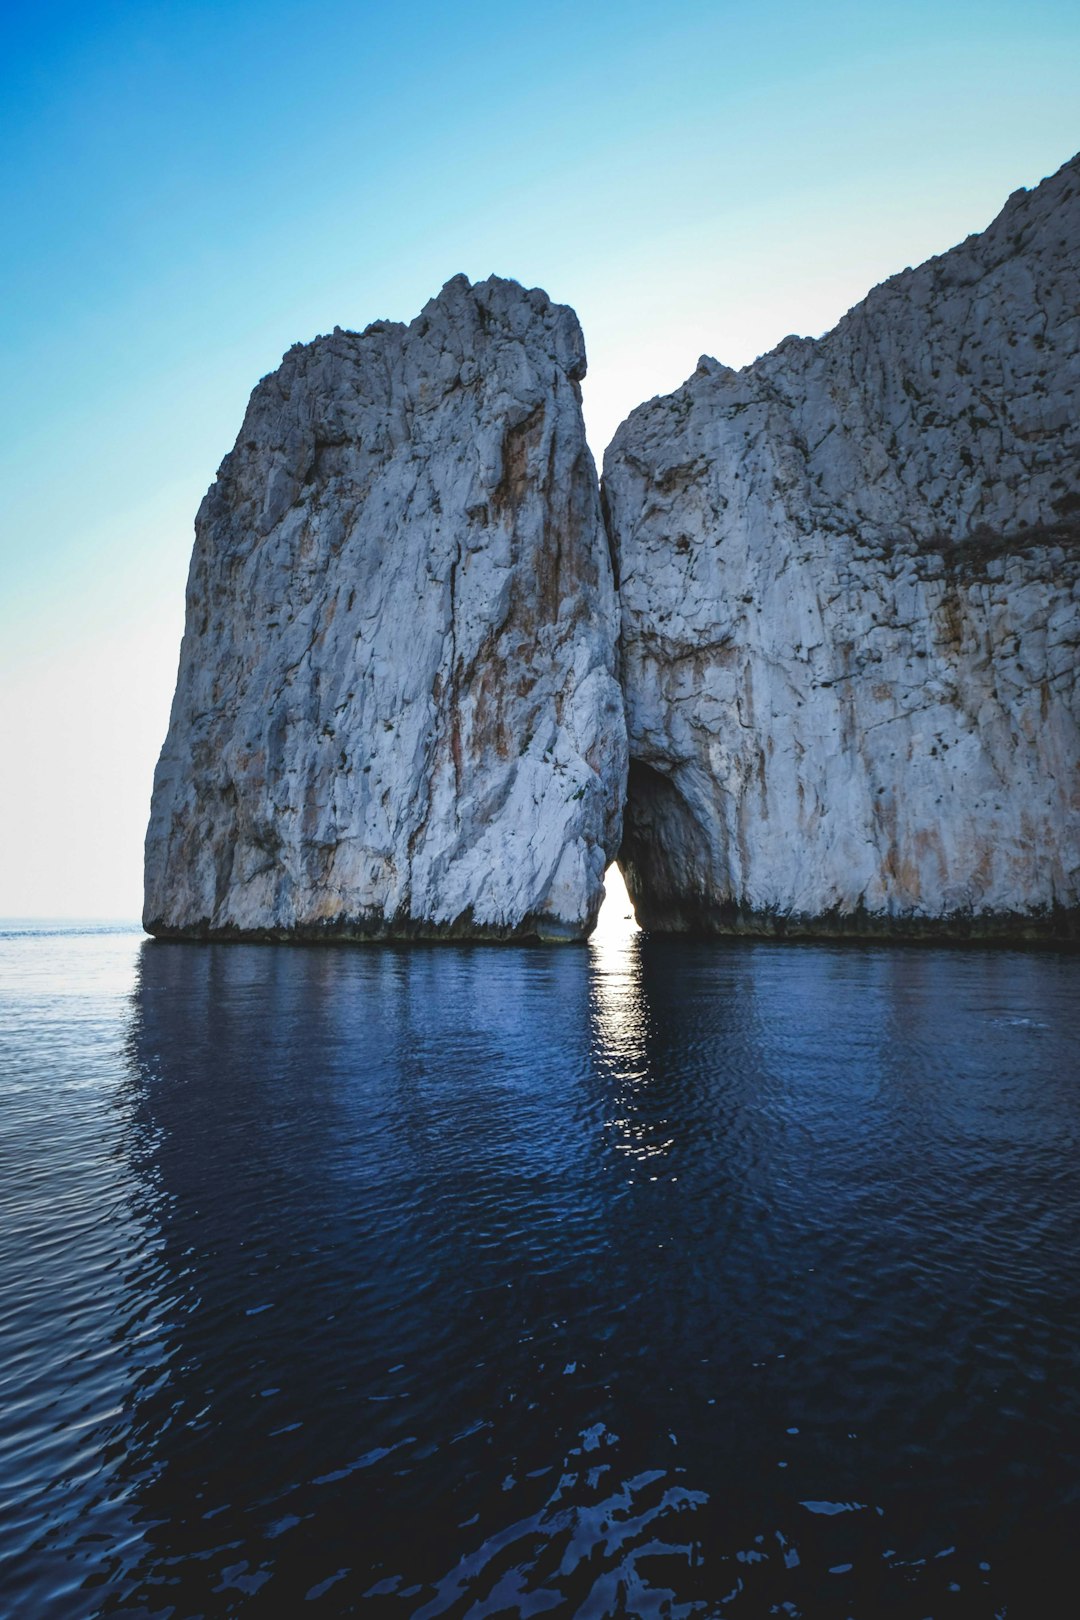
pixel 672 1279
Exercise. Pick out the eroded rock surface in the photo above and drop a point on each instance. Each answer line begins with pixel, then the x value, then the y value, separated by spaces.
pixel 396 712
pixel 850 617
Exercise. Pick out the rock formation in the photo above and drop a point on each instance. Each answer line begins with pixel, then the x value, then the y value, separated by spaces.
pixel 850 609
pixel 849 577
pixel 396 713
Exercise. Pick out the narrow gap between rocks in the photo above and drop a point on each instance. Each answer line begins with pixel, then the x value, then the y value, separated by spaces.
pixel 616 921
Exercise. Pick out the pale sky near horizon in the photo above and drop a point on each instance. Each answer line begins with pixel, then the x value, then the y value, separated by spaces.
pixel 191 187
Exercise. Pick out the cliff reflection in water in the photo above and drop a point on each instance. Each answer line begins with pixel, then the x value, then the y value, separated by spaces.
pixel 661 1275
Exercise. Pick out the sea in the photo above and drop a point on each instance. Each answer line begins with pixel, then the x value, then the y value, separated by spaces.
pixel 648 1277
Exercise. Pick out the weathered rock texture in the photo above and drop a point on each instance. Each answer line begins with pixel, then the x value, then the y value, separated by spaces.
pixel 396 712
pixel 850 618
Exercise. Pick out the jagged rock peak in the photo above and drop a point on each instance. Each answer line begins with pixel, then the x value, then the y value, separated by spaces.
pixel 396 714
pixel 850 618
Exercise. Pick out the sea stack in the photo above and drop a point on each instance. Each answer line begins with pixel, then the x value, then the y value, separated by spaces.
pixel 849 577
pixel 396 713
pixel 849 588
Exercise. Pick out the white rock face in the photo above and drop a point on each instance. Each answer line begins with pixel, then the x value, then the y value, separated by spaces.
pixel 396 713
pixel 850 618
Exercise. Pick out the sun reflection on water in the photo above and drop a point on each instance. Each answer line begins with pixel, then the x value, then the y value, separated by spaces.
pixel 621 1013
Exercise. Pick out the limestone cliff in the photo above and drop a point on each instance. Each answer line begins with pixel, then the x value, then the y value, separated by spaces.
pixel 396 713
pixel 850 619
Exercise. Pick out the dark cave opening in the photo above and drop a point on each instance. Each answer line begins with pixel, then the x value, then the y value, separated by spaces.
pixel 665 857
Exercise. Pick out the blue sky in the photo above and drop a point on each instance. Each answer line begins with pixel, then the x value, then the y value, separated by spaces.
pixel 190 188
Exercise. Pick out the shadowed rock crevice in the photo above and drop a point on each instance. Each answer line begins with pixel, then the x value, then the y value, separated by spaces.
pixel 665 858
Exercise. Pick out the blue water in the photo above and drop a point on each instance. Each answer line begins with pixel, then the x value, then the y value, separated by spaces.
pixel 647 1278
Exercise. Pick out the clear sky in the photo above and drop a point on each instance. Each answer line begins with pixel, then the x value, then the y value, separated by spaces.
pixel 191 187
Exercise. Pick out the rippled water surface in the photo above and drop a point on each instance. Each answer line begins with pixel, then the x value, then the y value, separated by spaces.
pixel 639 1279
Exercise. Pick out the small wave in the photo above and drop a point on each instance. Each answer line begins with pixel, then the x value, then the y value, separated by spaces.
pixel 63 927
